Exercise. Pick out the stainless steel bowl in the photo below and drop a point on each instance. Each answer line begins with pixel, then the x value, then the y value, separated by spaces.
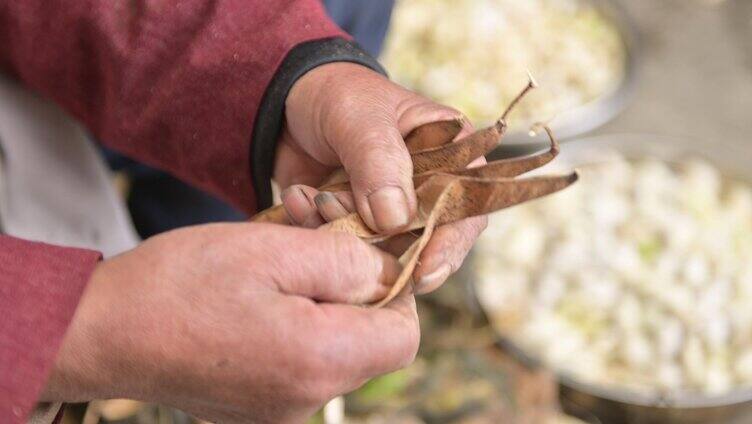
pixel 587 117
pixel 618 406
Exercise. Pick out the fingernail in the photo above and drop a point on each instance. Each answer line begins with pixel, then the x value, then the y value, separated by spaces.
pixel 389 208
pixel 432 281
pixel 329 206
pixel 322 198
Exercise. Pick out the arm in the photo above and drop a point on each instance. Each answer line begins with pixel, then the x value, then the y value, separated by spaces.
pixel 217 320
pixel 39 289
pixel 177 85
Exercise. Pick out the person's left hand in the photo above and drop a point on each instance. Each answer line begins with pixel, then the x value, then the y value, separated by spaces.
pixel 343 114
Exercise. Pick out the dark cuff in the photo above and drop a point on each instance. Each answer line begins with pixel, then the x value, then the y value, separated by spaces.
pixel 268 123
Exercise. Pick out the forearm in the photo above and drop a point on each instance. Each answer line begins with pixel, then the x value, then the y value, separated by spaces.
pixel 177 85
pixel 40 286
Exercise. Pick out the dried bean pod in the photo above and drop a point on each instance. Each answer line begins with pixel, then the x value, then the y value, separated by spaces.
pixel 476 196
pixel 433 134
pixel 460 153
pixel 427 197
pixel 446 209
pixel 443 157
pixel 274 215
pixel 504 168
pixel 409 259
pixel 468 197
pixel 439 154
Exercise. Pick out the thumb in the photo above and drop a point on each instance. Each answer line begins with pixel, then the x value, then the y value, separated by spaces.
pixel 326 266
pixel 380 169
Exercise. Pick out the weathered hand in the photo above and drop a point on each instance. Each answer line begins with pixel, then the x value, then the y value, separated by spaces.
pixel 236 323
pixel 346 115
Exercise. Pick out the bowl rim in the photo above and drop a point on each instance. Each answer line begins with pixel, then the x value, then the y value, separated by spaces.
pixel 586 117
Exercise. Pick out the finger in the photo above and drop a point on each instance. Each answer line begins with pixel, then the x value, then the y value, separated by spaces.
pixel 331 206
pixel 346 200
pixel 326 266
pixel 380 170
pixel 445 253
pixel 449 244
pixel 298 201
pixel 372 341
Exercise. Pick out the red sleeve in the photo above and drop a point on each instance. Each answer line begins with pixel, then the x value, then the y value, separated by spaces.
pixel 40 286
pixel 173 83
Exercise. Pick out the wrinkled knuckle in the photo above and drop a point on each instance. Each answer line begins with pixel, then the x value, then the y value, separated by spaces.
pixel 378 141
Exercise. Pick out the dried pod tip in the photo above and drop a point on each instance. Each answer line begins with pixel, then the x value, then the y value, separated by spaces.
pixel 574 176
pixel 531 84
pixel 536 129
pixel 501 125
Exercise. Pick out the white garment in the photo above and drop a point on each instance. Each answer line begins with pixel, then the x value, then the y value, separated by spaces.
pixel 54 186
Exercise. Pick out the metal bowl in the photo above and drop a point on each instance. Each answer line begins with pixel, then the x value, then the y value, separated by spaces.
pixel 591 115
pixel 620 406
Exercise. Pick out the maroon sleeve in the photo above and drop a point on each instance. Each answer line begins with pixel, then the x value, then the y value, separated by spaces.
pixel 173 83
pixel 40 286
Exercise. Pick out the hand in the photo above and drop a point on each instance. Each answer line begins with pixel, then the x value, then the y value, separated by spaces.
pixel 343 114
pixel 224 322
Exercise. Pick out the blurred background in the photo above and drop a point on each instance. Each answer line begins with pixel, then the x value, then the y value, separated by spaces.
pixel 625 299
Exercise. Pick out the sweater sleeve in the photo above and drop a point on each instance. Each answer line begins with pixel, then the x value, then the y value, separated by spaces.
pixel 40 286
pixel 176 84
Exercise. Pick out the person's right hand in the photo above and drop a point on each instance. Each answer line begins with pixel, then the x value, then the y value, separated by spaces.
pixel 236 323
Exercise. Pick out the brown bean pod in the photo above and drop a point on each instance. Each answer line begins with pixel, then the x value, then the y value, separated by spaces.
pixel 504 168
pixel 433 134
pixel 468 197
pixel 448 198
pixel 431 149
pixel 409 259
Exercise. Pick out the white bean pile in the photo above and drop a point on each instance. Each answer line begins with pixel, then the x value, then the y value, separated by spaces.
pixel 638 276
pixel 475 54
